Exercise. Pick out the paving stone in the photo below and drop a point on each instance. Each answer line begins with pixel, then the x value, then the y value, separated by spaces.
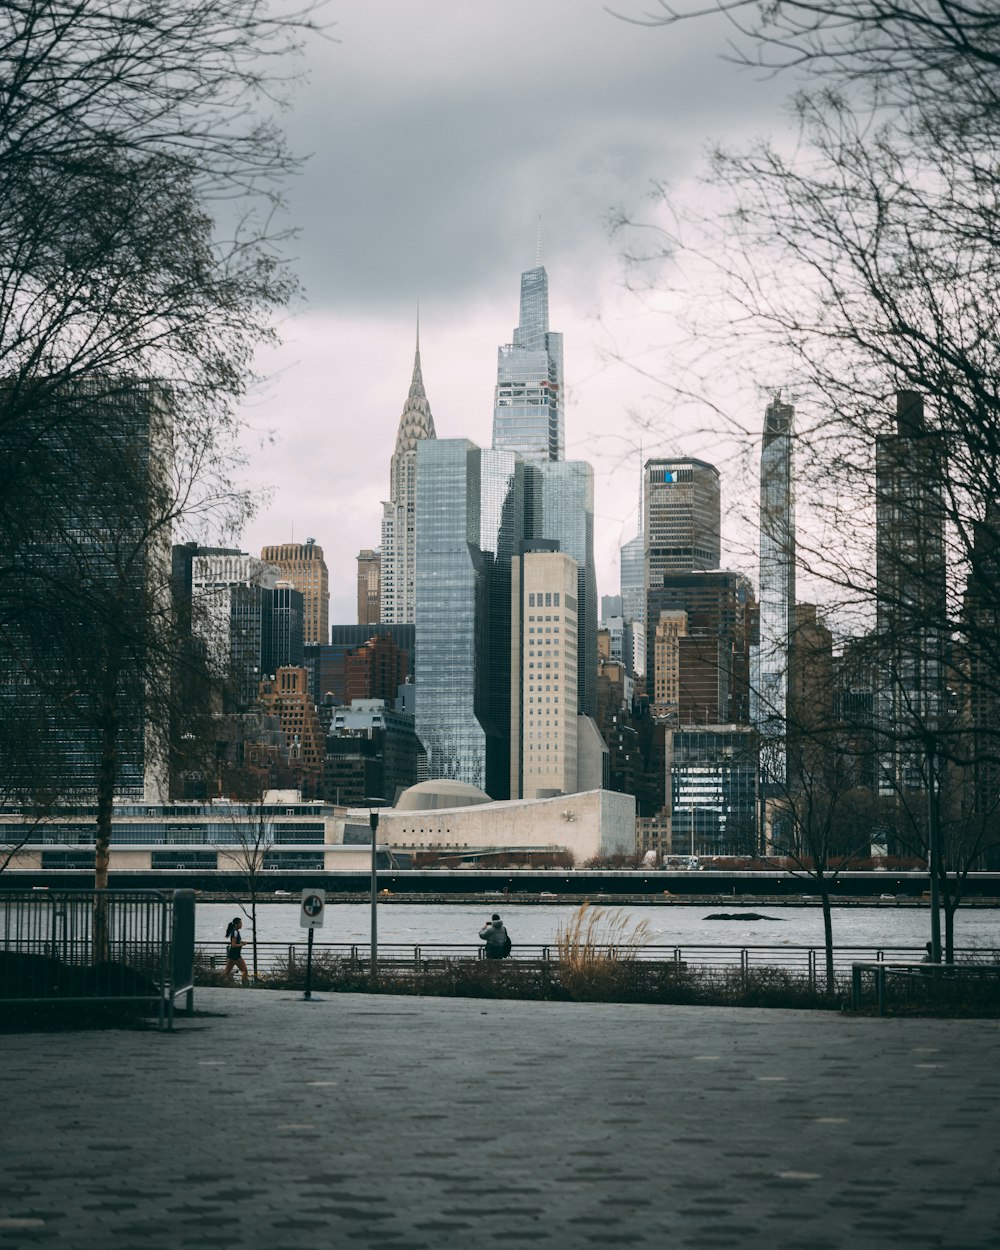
pixel 596 1125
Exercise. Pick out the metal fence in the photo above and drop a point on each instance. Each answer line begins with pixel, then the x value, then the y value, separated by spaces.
pixel 98 946
pixel 806 961
pixel 904 983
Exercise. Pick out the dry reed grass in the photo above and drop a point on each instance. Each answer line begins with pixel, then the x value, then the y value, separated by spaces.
pixel 596 946
pixel 594 936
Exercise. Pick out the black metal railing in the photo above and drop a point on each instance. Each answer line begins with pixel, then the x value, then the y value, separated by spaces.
pixel 808 961
pixel 98 946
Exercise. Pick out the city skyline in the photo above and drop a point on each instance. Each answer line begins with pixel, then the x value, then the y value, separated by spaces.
pixel 594 134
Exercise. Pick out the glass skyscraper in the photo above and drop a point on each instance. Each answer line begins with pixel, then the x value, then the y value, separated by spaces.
pixel 453 722
pixel 771 657
pixel 563 510
pixel 528 404
pixel 633 588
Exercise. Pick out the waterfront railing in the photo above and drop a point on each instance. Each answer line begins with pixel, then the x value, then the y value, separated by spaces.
pixel 89 946
pixel 808 961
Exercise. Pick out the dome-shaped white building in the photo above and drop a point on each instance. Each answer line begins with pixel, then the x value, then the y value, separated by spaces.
pixel 440 793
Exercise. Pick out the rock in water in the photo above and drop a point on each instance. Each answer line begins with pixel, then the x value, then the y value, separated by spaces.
pixel 742 915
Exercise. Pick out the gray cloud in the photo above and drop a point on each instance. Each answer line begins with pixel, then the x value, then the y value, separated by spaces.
pixel 439 131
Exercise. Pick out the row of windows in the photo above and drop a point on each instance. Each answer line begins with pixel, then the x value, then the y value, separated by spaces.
pixel 185 859
pixel 167 835
pixel 546 599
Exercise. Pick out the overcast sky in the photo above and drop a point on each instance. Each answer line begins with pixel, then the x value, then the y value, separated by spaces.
pixel 439 131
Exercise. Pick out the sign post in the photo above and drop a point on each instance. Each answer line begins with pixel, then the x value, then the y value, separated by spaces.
pixel 311 918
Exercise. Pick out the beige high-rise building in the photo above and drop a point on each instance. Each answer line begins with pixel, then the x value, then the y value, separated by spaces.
pixel 369 586
pixel 543 665
pixel 670 629
pixel 303 565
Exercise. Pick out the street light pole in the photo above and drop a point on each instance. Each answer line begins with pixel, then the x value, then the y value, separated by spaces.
pixel 373 804
pixel 373 821
pixel 934 849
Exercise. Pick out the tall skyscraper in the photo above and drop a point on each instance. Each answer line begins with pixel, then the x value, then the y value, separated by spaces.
pixel 543 673
pixel 369 586
pixel 666 687
pixel 528 403
pixel 681 519
pixel 910 591
pixel 284 648
pixel 559 494
pixel 452 602
pixel 399 528
pixel 771 657
pixel 234 596
pixel 504 496
pixel 303 565
pixel 83 596
pixel 714 655
pixel 633 591
pixel 562 509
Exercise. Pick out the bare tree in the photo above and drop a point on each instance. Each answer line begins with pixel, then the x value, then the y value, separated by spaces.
pixel 907 49
pixel 140 269
pixel 859 264
pixel 245 856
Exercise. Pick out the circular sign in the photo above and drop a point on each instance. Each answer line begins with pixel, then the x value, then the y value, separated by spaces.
pixel 312 904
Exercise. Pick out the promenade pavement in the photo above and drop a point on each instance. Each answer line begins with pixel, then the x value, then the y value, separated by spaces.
pixel 267 1122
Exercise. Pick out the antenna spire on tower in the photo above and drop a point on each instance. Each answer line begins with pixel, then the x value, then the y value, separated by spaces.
pixel 538 243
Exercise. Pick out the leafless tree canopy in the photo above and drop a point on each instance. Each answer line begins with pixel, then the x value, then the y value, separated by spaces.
pixel 140 268
pixel 855 258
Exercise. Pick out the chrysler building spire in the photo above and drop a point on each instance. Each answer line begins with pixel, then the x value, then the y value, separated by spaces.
pixel 399 514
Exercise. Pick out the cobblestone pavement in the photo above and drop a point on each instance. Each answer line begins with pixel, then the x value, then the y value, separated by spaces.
pixel 404 1123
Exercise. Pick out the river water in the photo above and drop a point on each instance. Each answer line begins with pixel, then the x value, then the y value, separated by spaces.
pixel 672 924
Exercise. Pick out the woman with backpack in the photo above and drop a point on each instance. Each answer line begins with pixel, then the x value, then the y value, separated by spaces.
pixel 495 936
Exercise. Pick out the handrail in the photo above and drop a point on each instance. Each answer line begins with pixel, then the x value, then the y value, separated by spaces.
pixel 807 958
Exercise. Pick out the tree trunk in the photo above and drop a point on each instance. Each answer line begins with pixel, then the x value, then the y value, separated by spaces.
pixel 107 775
pixel 831 983
pixel 951 897
pixel 253 931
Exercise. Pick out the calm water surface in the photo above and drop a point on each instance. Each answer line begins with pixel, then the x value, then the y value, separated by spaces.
pixel 532 924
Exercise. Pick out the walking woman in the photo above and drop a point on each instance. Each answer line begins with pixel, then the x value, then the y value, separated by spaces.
pixel 234 955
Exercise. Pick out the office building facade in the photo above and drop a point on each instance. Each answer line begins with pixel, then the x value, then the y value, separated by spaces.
pixel 544 671
pixel 910 592
pixel 303 565
pixel 671 627
pixel 681 518
pixel 87 563
pixel 714 658
pixel 712 784
pixel 563 511
pixel 233 596
pixel 369 586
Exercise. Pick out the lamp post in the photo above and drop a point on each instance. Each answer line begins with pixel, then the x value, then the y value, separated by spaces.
pixel 373 804
pixel 934 847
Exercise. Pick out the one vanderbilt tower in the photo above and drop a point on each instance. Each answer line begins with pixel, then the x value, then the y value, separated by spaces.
pixel 528 406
